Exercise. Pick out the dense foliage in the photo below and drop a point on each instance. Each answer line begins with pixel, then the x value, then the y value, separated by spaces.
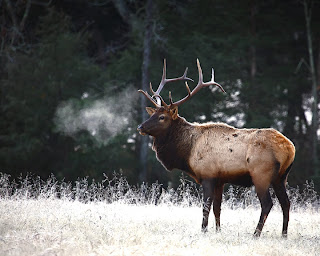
pixel 69 71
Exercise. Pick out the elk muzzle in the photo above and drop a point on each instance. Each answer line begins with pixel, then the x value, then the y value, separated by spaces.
pixel 140 129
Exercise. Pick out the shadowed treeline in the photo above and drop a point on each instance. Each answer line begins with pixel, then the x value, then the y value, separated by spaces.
pixel 70 71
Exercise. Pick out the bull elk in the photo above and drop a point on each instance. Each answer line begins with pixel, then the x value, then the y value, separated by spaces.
pixel 215 153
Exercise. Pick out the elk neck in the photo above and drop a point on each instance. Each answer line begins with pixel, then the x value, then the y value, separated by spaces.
pixel 173 148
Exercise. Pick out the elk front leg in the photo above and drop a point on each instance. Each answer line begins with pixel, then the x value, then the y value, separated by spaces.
pixel 207 186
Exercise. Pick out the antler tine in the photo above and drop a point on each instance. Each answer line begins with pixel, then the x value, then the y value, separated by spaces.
pixel 162 101
pixel 200 85
pixel 151 89
pixel 165 80
pixel 215 83
pixel 189 95
pixel 200 72
pixel 188 89
pixel 183 77
pixel 158 105
pixel 170 98
pixel 156 99
pixel 149 98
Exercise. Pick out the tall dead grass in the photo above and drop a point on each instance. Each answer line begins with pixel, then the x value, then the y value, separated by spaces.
pixel 113 218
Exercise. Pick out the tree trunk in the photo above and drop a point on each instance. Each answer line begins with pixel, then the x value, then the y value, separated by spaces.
pixel 253 64
pixel 318 66
pixel 253 68
pixel 145 81
pixel 314 136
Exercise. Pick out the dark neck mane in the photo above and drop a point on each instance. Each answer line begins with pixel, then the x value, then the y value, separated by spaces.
pixel 173 149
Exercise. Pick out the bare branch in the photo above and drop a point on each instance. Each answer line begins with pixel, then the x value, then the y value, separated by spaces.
pixel 25 15
pixel 302 61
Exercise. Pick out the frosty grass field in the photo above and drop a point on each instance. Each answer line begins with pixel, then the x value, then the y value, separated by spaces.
pixel 112 218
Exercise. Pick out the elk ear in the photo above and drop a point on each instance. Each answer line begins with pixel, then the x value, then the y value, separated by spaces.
pixel 174 113
pixel 151 111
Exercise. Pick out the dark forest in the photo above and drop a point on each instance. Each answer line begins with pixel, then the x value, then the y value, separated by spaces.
pixel 70 71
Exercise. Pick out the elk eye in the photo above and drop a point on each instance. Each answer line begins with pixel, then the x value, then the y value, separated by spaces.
pixel 161 117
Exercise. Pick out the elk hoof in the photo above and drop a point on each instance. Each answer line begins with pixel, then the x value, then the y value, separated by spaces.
pixel 204 229
pixel 257 233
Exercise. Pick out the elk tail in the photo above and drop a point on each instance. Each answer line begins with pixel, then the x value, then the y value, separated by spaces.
pixel 283 178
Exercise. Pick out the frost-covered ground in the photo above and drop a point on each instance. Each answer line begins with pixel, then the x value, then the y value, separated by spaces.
pixel 112 218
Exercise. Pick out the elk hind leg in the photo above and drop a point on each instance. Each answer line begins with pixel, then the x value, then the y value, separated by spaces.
pixel 266 205
pixel 281 193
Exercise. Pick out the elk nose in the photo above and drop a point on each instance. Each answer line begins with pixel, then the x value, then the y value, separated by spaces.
pixel 139 127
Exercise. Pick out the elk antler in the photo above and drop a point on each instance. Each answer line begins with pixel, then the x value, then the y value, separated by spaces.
pixel 200 85
pixel 164 80
pixel 158 105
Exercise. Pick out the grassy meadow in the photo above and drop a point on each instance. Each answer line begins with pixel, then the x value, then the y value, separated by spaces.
pixel 113 218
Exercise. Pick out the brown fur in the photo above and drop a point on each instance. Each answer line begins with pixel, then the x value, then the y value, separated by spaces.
pixel 223 151
pixel 216 153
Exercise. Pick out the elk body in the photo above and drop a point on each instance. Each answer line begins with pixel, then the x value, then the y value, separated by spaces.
pixel 215 153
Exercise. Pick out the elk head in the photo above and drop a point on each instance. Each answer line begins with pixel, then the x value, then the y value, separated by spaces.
pixel 162 116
